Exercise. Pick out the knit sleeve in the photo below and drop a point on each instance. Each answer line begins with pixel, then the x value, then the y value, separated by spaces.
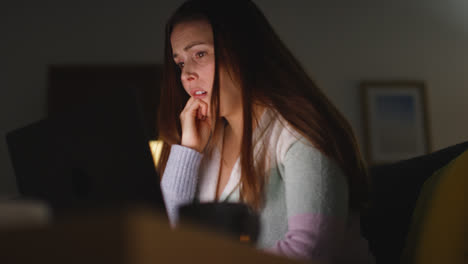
pixel 179 181
pixel 316 193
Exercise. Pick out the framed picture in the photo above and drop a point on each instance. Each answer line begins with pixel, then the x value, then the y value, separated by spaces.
pixel 395 120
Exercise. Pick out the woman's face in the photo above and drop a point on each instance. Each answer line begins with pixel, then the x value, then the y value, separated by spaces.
pixel 193 52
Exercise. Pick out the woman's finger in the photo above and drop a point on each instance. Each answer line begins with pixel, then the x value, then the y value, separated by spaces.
pixel 196 108
pixel 195 128
pixel 204 109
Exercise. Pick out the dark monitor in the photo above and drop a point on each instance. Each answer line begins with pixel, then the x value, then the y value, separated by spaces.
pixel 95 156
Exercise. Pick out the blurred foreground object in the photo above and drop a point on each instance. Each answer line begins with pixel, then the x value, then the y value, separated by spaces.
pixel 136 236
pixel 235 220
pixel 23 213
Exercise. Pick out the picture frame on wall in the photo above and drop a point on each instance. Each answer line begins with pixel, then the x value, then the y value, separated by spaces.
pixel 395 116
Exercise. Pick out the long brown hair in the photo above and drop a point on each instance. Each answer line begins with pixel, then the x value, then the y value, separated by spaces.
pixel 247 46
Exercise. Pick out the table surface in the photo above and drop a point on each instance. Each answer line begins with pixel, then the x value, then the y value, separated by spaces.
pixel 132 235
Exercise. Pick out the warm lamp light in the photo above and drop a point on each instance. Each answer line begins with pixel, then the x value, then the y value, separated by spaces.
pixel 156 147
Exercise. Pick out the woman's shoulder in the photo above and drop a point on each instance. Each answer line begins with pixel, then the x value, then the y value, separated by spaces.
pixel 283 136
pixel 287 142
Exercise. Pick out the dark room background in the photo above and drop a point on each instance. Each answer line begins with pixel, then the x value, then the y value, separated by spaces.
pixel 340 43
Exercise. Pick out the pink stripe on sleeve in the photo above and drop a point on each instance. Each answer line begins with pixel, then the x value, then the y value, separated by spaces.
pixel 311 236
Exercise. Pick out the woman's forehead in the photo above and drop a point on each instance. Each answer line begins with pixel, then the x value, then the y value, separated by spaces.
pixel 185 33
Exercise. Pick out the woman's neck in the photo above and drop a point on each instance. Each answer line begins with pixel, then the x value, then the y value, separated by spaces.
pixel 235 123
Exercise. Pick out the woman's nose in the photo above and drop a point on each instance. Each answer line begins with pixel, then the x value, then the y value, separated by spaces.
pixel 188 73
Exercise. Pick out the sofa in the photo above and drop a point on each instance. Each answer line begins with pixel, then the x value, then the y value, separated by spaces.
pixel 395 191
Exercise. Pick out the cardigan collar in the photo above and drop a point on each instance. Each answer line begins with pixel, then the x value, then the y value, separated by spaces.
pixel 209 169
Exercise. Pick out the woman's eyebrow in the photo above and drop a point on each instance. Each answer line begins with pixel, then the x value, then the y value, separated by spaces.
pixel 189 46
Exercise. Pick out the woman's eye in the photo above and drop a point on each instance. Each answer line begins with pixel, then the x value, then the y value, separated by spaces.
pixel 180 64
pixel 201 54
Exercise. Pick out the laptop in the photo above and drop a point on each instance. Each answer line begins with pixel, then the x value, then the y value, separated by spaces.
pixel 92 157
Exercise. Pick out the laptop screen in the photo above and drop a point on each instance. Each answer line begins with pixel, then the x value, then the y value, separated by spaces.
pixel 94 156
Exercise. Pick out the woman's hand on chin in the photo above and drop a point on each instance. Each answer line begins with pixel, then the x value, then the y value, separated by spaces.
pixel 196 124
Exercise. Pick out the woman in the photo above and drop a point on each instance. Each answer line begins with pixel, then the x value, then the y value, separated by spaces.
pixel 242 121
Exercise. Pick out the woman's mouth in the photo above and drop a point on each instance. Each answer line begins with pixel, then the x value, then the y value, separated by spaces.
pixel 199 94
